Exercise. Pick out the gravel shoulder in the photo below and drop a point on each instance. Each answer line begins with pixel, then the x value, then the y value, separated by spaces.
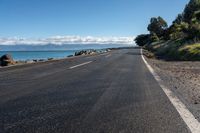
pixel 183 78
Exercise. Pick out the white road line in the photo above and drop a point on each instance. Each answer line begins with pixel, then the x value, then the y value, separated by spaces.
pixel 81 65
pixel 186 115
pixel 108 55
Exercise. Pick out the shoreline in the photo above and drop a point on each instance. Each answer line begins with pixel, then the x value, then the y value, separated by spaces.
pixel 46 51
pixel 36 61
pixel 84 53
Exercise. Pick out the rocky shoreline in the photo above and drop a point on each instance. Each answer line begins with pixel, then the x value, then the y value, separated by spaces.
pixel 7 60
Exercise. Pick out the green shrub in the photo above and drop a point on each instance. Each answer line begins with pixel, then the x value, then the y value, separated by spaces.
pixel 190 52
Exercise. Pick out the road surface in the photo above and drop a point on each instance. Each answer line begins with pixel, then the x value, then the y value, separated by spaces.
pixel 107 93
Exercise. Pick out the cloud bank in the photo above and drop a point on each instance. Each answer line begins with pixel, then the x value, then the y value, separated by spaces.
pixel 62 40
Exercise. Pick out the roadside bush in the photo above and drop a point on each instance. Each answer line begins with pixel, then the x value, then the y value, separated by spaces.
pixel 142 40
pixel 190 52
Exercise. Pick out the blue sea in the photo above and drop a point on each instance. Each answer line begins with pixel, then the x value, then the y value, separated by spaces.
pixel 30 52
pixel 30 55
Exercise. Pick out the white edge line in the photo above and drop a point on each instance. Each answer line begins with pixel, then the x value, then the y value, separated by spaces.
pixel 82 64
pixel 192 123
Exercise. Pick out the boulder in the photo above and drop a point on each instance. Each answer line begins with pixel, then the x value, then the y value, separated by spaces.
pixel 70 56
pixel 6 60
pixel 41 60
pixel 85 52
pixel 35 60
pixel 50 59
pixel 29 61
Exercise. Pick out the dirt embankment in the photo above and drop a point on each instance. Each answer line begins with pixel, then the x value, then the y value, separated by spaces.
pixel 184 80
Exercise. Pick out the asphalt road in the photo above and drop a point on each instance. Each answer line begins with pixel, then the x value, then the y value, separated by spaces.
pixel 108 93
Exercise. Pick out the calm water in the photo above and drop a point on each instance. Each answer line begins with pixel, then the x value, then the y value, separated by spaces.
pixel 30 55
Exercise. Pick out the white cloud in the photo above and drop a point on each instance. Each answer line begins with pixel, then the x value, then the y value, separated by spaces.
pixel 61 40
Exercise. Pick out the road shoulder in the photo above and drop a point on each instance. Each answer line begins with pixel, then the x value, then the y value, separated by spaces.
pixel 170 80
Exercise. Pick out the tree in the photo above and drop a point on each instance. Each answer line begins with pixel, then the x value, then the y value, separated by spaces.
pixel 179 19
pixel 178 30
pixel 153 38
pixel 185 27
pixel 142 40
pixel 194 32
pixel 197 15
pixel 157 26
pixel 187 24
pixel 190 9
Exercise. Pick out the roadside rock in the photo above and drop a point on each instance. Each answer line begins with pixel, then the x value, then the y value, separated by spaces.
pixel 41 60
pixel 85 52
pixel 29 61
pixel 35 60
pixel 6 60
pixel 148 54
pixel 70 56
pixel 108 50
pixel 49 59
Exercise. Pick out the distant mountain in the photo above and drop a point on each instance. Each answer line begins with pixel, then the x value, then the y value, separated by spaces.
pixel 49 47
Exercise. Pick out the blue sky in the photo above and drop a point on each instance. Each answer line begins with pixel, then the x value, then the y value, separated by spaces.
pixel 45 18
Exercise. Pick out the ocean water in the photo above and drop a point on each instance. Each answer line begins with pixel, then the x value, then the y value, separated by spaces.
pixel 30 55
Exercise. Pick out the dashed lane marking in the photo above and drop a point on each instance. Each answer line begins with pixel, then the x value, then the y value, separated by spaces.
pixel 82 64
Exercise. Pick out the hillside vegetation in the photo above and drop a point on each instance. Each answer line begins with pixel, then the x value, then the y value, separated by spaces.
pixel 179 41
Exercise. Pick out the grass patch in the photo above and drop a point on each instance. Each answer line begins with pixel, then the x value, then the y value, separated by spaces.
pixel 190 52
pixel 175 50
